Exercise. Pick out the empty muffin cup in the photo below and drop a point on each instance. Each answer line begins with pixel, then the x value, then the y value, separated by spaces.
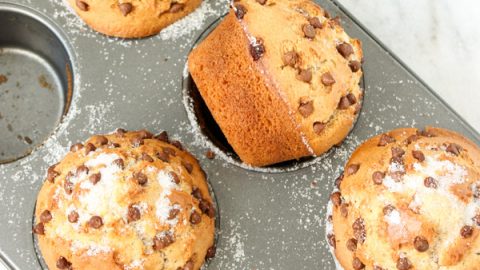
pixel 36 80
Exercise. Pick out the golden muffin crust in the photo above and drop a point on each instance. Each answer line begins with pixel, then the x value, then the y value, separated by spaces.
pixel 132 18
pixel 281 78
pixel 409 199
pixel 128 201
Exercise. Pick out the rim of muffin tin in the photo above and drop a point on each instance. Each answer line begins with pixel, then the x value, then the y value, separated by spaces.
pixel 70 68
pixel 43 265
pixel 212 136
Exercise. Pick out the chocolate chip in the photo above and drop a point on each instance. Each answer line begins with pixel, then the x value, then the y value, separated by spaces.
pixel 187 166
pixel 339 180
pixel 46 216
pixel 163 241
pixel 140 178
pixel 327 79
pixel 420 243
pixel 412 139
pixel 73 217
pixel 163 136
pixel 359 230
pixel 176 7
pixel 240 11
pixel 82 169
pixel 113 145
pixel 454 149
pixel 174 177
pixel 146 157
pixel 377 177
pixel 425 133
pixel 210 154
pixel 52 174
pixel 309 31
pixel 290 58
pixel 196 193
pixel 344 210
pixel 352 244
pixel 62 263
pixel 137 141
pixel 318 127
pixel 351 98
pixel 120 132
pixel 211 251
pixel 188 266
pixel 397 152
pixel 163 156
pixel 125 8
pixel 357 264
pixel 304 75
pixel 169 151
pixel 466 231
pixel 207 208
pixel 257 50
pixel 144 134
pixel 89 148
pixel 177 144
pixel 354 65
pixel 385 139
pixel 76 147
pixel 352 169
pixel 95 222
pixel 404 264
pixel 336 198
pixel 305 108
pixel 430 182
pixel 345 49
pixel 133 214
pixel 195 218
pixel 173 213
pixel 68 186
pixel 418 155
pixel 315 22
pixel 119 163
pixel 344 103
pixel 82 6
pixel 387 209
pixel 39 229
pixel 331 240
pixel 102 140
pixel 95 178
pixel 262 2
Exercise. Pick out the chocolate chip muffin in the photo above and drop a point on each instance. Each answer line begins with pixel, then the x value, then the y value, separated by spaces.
pixel 409 199
pixel 281 78
pixel 132 18
pixel 128 200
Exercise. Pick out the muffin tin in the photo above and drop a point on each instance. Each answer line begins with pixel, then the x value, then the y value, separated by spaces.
pixel 271 218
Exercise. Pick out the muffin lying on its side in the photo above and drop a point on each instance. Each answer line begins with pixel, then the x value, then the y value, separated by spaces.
pixel 409 199
pixel 280 78
pixel 127 200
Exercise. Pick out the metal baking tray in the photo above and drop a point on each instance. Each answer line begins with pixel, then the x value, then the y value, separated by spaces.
pixel 272 218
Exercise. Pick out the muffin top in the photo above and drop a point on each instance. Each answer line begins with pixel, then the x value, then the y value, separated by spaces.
pixel 409 199
pixel 127 200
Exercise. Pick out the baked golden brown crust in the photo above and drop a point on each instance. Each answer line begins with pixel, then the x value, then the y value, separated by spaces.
pixel 280 78
pixel 409 199
pixel 132 18
pixel 125 201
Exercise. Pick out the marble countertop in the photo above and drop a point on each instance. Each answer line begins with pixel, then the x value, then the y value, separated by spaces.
pixel 437 39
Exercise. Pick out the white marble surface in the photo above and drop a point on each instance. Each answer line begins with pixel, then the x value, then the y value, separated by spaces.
pixel 438 39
